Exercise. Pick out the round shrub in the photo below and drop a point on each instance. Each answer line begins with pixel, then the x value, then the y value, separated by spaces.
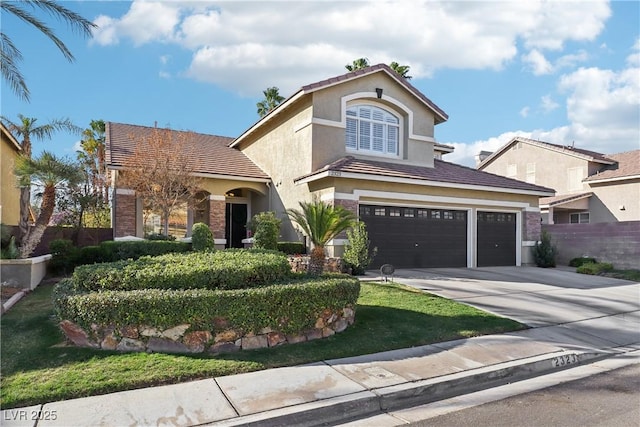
pixel 201 237
pixel 266 229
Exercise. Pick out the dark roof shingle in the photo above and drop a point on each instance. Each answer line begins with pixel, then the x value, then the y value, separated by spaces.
pixel 441 172
pixel 214 155
pixel 627 165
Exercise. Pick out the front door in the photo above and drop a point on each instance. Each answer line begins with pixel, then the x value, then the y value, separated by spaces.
pixel 235 224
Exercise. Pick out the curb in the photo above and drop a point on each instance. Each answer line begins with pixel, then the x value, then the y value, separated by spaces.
pixel 401 396
pixel 11 301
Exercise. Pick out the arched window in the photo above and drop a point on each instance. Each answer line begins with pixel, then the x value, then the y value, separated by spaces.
pixel 371 130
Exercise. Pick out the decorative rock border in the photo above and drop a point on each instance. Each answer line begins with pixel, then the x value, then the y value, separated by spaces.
pixel 300 264
pixel 178 339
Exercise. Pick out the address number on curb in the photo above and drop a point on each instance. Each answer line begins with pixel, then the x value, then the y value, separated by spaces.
pixel 564 360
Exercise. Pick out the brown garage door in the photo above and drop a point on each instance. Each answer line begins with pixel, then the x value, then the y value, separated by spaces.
pixel 496 239
pixel 415 237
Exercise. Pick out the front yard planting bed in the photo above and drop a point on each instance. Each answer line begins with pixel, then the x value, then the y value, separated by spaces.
pixel 213 302
pixel 38 367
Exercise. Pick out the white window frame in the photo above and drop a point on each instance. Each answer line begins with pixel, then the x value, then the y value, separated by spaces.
pixel 579 215
pixel 357 145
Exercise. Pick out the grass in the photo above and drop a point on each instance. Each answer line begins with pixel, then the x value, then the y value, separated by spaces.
pixel 632 275
pixel 37 367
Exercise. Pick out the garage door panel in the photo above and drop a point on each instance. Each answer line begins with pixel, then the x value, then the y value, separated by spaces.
pixel 418 238
pixel 496 239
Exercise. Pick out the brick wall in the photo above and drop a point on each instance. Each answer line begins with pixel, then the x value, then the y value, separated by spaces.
pixel 614 242
pixel 532 226
pixel 125 215
pixel 350 205
pixel 217 218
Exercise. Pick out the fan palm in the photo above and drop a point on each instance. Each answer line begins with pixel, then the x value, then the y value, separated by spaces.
pixel 357 64
pixel 11 55
pixel 320 222
pixel 48 172
pixel 272 99
pixel 26 130
pixel 403 70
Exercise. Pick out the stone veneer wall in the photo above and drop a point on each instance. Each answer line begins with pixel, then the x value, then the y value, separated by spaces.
pixel 532 226
pixel 179 339
pixel 217 218
pixel 300 264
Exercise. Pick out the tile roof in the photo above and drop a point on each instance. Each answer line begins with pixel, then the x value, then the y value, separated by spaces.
pixel 565 198
pixel 442 171
pixel 627 165
pixel 372 69
pixel 214 155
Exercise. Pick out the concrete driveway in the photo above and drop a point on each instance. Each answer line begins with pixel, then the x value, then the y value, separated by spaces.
pixel 591 311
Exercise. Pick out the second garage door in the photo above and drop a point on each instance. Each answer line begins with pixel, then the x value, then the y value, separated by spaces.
pixel 409 237
pixel 496 239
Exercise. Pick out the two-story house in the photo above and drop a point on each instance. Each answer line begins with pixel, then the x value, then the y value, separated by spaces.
pixel 590 187
pixel 363 140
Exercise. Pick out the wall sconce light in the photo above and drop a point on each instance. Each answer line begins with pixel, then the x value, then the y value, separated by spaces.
pixel 379 92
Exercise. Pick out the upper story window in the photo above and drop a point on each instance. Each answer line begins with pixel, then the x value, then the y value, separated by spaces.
pixel 372 130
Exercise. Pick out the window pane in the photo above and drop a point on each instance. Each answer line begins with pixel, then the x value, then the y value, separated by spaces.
pixel 365 113
pixel 365 135
pixel 352 133
pixel 378 135
pixel 351 112
pixel 392 140
pixel 378 115
pixel 379 212
pixel 394 211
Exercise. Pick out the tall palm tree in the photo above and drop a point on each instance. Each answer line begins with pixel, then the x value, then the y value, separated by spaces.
pixel 93 155
pixel 357 64
pixel 26 129
pixel 403 70
pixel 11 55
pixel 272 99
pixel 48 172
pixel 321 222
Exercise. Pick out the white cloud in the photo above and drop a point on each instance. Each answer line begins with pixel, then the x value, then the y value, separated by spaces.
pixel 548 104
pixel 295 43
pixel 465 154
pixel 524 112
pixel 537 62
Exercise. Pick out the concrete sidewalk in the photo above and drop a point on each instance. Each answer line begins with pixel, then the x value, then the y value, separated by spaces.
pixel 337 390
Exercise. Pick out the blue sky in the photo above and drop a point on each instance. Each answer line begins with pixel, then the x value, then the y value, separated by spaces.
pixel 562 72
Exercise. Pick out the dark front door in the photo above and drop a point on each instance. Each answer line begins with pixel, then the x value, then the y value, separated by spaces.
pixel 235 224
pixel 496 239
pixel 416 237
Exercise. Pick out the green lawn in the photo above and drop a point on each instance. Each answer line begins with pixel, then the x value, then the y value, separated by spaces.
pixel 37 367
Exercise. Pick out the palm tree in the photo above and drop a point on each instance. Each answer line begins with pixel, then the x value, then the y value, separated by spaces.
pixel 271 100
pixel 11 55
pixel 93 155
pixel 26 129
pixel 357 64
pixel 48 172
pixel 401 69
pixel 321 222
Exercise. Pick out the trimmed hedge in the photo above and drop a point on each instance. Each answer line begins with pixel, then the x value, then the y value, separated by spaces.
pixel 121 250
pixel 292 248
pixel 228 269
pixel 287 307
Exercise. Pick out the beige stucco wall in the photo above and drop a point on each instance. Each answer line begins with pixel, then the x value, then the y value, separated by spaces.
pixel 551 167
pixel 9 192
pixel 609 197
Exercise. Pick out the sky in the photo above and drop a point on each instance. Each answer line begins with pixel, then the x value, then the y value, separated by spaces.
pixel 562 72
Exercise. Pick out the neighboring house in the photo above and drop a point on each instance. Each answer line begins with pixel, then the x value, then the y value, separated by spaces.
pixel 9 191
pixel 590 187
pixel 363 140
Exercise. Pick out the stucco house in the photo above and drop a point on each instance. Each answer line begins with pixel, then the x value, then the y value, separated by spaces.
pixel 9 192
pixel 590 187
pixel 363 140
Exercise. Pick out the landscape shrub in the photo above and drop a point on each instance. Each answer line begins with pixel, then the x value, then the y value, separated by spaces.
pixel 357 254
pixel 577 262
pixel 265 227
pixel 64 256
pixel 544 252
pixel 292 248
pixel 288 307
pixel 201 237
pixel 124 249
pixel 158 236
pixel 594 268
pixel 228 269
